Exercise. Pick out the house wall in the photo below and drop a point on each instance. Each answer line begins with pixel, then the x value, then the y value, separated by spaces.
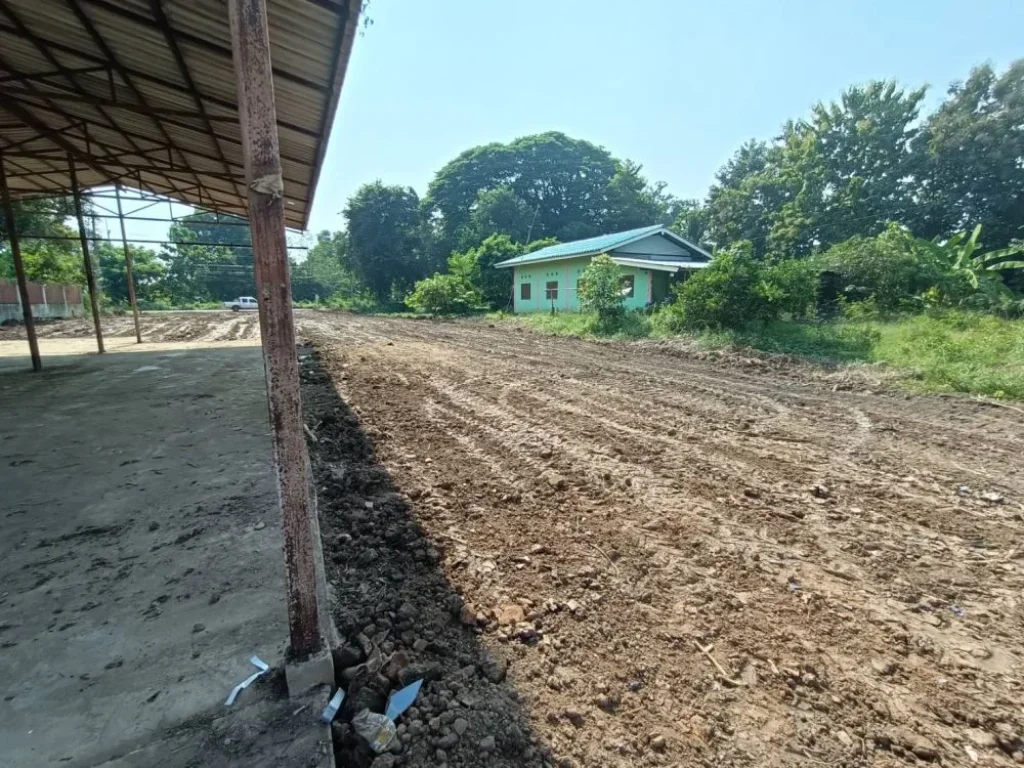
pixel 568 272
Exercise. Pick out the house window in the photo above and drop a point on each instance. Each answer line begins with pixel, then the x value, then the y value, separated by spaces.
pixel 525 291
pixel 551 290
pixel 628 285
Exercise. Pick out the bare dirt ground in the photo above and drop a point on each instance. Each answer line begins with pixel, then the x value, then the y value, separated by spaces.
pixel 614 554
pixel 156 327
pixel 683 561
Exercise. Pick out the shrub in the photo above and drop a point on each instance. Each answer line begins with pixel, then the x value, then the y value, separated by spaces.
pixel 727 294
pixel 362 302
pixel 444 295
pixel 789 287
pixel 476 267
pixel 893 269
pixel 601 292
pixel 859 310
pixel 635 324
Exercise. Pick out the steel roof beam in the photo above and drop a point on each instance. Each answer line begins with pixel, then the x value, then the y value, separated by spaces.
pixel 48 55
pixel 172 42
pixel 144 76
pixel 97 38
pixel 199 42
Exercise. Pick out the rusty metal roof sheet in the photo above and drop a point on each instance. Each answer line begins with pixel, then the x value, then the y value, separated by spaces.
pixel 143 92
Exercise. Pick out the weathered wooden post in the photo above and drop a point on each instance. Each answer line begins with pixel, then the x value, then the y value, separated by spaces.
pixel 128 265
pixel 19 269
pixel 258 118
pixel 90 277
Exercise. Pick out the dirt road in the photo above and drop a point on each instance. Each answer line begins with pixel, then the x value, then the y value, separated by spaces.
pixel 690 562
pixel 682 560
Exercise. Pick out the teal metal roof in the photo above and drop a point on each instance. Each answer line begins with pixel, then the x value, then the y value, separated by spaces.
pixel 600 244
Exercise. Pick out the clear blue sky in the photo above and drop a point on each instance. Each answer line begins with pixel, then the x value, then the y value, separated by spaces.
pixel 673 84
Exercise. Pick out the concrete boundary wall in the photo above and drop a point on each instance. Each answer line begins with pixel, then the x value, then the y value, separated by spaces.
pixel 48 301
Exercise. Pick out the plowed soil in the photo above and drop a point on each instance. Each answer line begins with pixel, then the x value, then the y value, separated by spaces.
pixel 686 561
pixel 155 326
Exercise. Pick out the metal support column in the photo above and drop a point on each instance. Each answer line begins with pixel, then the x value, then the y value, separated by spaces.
pixel 19 269
pixel 90 277
pixel 128 265
pixel 258 117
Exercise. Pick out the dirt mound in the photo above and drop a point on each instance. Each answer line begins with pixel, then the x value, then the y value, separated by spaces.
pixel 399 615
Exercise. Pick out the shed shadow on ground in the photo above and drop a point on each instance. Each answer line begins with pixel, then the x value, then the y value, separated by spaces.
pixel 390 597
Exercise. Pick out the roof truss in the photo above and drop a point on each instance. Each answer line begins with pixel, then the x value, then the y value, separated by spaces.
pixel 143 92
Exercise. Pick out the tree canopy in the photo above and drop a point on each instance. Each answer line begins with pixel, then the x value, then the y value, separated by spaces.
pixel 544 185
pixel 868 159
pixel 385 244
pixel 972 150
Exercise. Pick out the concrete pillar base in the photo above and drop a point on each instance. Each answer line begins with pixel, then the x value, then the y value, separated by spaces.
pixel 314 671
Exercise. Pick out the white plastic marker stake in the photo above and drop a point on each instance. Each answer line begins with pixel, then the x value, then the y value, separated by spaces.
pixel 333 706
pixel 257 662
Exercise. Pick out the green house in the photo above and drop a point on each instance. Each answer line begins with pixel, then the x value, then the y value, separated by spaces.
pixel 650 259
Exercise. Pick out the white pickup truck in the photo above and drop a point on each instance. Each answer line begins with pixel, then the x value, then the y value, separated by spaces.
pixel 242 302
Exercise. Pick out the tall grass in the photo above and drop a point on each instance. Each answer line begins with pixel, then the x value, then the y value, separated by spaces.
pixel 957 353
pixel 950 352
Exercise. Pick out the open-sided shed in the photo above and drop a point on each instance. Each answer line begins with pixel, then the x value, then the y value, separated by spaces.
pixel 144 93
pixel 223 105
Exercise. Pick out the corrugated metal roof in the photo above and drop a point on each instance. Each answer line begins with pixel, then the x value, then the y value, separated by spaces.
pixel 143 91
pixel 600 244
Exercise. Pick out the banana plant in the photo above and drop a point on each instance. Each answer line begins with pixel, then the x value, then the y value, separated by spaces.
pixel 959 254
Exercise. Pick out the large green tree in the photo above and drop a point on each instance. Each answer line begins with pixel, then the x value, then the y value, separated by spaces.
pixel 147 270
pixel 325 272
pixel 46 261
pixel 845 170
pixel 973 147
pixel 746 195
pixel 197 273
pixel 848 169
pixel 691 221
pixel 385 239
pixel 215 229
pixel 563 185
pixel 208 258
pixel 631 201
pixel 500 211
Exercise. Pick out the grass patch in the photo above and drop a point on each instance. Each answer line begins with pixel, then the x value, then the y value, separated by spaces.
pixel 634 325
pixel 954 352
pixel 961 352
pixel 834 341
